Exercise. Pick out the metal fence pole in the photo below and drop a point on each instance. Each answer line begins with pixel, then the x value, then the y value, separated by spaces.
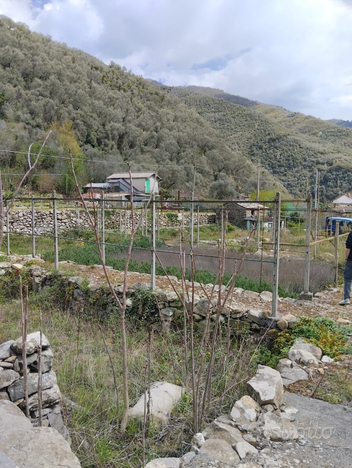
pixel 8 228
pixel 336 263
pixel 222 226
pixel 103 226
pixel 33 228
pixel 197 226
pixel 56 240
pixel 277 212
pixel 306 294
pixel 191 226
pixel 152 266
pixel 158 223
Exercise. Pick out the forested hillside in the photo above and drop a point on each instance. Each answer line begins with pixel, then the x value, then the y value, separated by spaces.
pixel 109 116
pixel 289 144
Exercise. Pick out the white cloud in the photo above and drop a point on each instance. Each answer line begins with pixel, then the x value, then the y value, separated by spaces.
pixel 297 52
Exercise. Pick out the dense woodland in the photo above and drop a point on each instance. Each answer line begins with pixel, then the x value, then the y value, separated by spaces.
pixel 108 116
pixel 112 115
pixel 290 145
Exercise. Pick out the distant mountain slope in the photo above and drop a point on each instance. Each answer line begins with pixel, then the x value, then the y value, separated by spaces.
pixel 219 93
pixel 289 144
pixel 116 117
pixel 341 123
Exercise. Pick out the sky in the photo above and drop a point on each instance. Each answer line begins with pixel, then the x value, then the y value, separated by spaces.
pixel 291 53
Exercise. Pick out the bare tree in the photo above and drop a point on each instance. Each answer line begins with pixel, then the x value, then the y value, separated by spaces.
pixel 121 303
pixel 31 167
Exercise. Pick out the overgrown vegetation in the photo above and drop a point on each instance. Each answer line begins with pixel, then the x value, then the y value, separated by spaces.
pixel 288 144
pixel 321 331
pixel 84 377
pixel 115 115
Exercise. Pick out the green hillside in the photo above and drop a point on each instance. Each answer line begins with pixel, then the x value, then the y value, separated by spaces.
pixel 116 117
pixel 289 144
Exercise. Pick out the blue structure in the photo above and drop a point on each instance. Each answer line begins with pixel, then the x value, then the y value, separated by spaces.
pixel 345 224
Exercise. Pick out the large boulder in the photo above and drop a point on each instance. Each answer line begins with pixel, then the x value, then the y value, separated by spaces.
pixel 163 398
pixel 266 387
pixel 29 447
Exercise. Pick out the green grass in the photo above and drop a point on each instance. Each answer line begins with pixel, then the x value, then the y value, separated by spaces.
pixel 84 376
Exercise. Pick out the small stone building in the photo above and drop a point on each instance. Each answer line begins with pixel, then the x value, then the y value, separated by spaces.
pixel 242 214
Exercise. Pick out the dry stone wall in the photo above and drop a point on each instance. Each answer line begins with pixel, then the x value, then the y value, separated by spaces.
pixel 21 220
pixel 12 381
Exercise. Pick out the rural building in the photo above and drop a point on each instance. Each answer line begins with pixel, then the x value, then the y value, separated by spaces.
pixel 245 215
pixel 343 203
pixel 118 186
pixel 143 182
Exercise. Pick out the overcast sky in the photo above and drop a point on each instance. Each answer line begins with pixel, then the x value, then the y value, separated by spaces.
pixel 292 53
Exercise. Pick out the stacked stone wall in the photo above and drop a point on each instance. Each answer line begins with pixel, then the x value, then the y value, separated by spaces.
pixel 20 221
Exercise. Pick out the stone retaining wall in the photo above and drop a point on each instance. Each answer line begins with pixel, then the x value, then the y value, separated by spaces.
pixel 21 221
pixel 12 381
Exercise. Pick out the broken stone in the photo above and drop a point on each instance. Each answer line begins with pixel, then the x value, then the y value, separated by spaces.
pixel 244 448
pixel 219 449
pixel 282 324
pixel 246 408
pixel 310 348
pixel 218 430
pixel 302 357
pixel 278 429
pixel 198 439
pixel 164 463
pixel 32 343
pixel 292 375
pixel 266 386
pixel 7 377
pixel 16 389
pixel 327 359
pixel 6 365
pixel 50 397
pixel 266 296
pixel 5 349
pixel 255 315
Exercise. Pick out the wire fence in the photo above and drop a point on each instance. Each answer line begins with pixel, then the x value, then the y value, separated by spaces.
pixel 54 227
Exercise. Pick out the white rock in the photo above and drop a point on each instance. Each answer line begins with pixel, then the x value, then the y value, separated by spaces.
pixel 302 357
pixel 220 450
pixel 327 359
pixel 266 387
pixel 198 439
pixel 164 463
pixel 32 343
pixel 244 448
pixel 266 296
pixel 278 429
pixel 310 348
pixel 218 430
pixel 163 397
pixel 30 447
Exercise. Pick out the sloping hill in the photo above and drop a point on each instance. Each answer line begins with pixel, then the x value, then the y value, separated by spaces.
pixel 289 144
pixel 116 117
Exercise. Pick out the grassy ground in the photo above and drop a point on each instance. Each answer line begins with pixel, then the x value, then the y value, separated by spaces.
pixel 84 377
